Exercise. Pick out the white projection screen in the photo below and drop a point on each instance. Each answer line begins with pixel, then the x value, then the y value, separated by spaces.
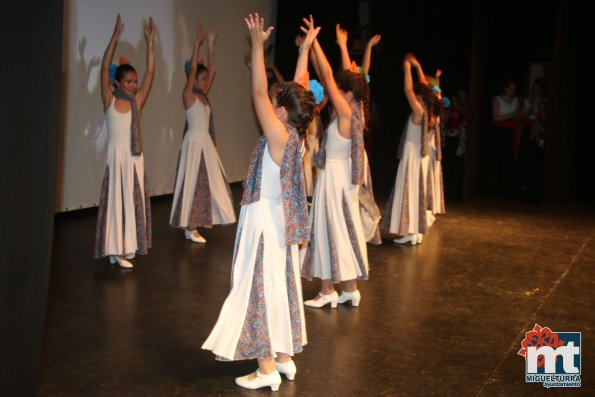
pixel 88 26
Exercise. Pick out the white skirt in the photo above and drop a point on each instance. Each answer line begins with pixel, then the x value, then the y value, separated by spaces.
pixel 337 250
pixel 408 213
pixel 435 186
pixel 263 314
pixel 199 154
pixel 124 220
pixel 369 211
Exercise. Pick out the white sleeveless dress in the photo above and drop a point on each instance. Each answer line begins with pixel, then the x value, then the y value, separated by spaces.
pixel 435 182
pixel 201 181
pixel 124 218
pixel 263 314
pixel 408 197
pixel 337 250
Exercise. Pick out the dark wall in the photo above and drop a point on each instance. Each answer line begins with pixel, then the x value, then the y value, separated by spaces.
pixel 443 45
pixel 509 35
pixel 30 96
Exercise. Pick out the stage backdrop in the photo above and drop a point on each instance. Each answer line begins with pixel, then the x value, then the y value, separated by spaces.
pixel 88 26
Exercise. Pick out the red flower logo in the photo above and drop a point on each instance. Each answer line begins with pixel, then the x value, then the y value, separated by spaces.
pixel 539 337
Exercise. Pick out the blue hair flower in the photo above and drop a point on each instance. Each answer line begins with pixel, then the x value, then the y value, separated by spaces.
pixel 360 70
pixel 187 66
pixel 436 89
pixel 317 89
pixel 112 72
pixel 445 102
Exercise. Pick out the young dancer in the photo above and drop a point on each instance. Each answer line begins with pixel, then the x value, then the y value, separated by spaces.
pixel 407 213
pixel 337 250
pixel 202 197
pixel 262 317
pixel 124 219
pixel 369 211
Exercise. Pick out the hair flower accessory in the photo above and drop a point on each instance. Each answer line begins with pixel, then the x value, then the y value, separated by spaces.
pixel 113 68
pixel 112 72
pixel 187 65
pixel 318 90
pixel 366 75
pixel 435 85
pixel 358 69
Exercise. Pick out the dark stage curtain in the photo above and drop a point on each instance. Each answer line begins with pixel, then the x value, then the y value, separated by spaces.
pixel 30 107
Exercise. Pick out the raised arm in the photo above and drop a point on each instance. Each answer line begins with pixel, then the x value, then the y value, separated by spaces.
pixel 437 76
pixel 301 68
pixel 342 37
pixel 341 106
pixel 272 126
pixel 314 62
pixel 106 89
pixel 417 66
pixel 188 96
pixel 416 106
pixel 368 53
pixel 145 88
pixel 211 37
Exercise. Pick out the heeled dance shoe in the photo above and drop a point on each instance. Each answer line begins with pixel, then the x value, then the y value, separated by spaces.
pixel 420 238
pixel 194 236
pixel 287 368
pixel 355 297
pixel 407 239
pixel 123 263
pixel 414 238
pixel 272 380
pixel 333 299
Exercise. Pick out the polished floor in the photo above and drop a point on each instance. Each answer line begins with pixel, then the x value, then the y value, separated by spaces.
pixel 444 318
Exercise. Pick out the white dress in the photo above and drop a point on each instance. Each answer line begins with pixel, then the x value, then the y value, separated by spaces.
pixel 202 197
pixel 124 217
pixel 337 250
pixel 434 182
pixel 406 212
pixel 263 314
pixel 369 211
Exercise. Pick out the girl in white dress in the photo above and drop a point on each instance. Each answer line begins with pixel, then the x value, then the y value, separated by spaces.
pixel 435 180
pixel 408 213
pixel 369 211
pixel 124 218
pixel 262 317
pixel 337 250
pixel 202 197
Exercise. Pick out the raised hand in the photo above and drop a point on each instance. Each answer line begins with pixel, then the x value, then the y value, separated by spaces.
pixel 119 28
pixel 307 22
pixel 374 40
pixel 200 34
pixel 413 60
pixel 149 29
pixel 311 33
pixel 255 26
pixel 211 37
pixel 342 36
